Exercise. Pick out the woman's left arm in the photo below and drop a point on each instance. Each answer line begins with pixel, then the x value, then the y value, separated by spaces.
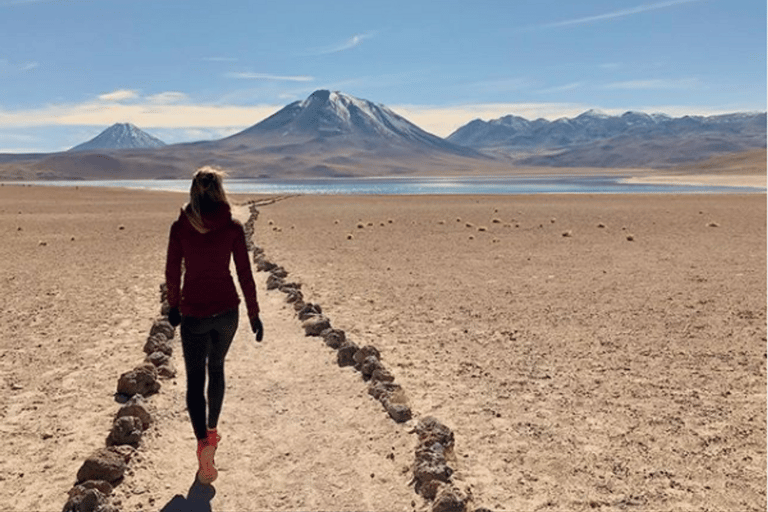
pixel 244 275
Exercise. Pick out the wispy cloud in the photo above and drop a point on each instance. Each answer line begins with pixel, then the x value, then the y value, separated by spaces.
pixel 265 76
pixel 163 110
pixel 657 84
pixel 9 68
pixel 615 14
pixel 353 42
pixel 119 95
pixel 166 98
pixel 561 88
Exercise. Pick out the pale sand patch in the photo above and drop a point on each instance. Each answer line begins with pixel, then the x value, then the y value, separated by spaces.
pixel 712 180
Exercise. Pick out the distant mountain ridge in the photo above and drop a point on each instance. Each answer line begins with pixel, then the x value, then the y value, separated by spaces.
pixel 632 139
pixel 120 136
pixel 513 131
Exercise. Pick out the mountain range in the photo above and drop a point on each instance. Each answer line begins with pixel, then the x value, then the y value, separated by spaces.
pixel 331 134
pixel 634 139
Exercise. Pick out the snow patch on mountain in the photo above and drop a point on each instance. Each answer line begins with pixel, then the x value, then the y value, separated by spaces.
pixel 333 116
pixel 120 136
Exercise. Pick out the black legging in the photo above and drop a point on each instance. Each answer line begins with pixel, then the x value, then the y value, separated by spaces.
pixel 206 339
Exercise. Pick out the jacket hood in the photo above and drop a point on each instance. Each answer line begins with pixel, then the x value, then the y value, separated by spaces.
pixel 212 221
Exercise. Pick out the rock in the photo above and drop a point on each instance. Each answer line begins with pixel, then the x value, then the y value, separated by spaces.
pixel 290 287
pixel 125 451
pixel 435 442
pixel 309 310
pixel 345 354
pixel 450 498
pixel 166 371
pixel 85 500
pixel 274 282
pixel 334 338
pixel 314 325
pixel 368 366
pixel 294 296
pixel 105 464
pixel 279 272
pixel 157 358
pixel 139 408
pixel 299 305
pixel 399 412
pixel 365 352
pixel 392 397
pixel 430 469
pixel 90 496
pixel 158 342
pixel 125 430
pixel 142 380
pixel 263 265
pixel 162 325
pixel 382 374
pixel 382 391
pixel 430 430
pixel 102 486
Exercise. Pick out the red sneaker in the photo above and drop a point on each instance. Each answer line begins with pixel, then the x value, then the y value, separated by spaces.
pixel 207 471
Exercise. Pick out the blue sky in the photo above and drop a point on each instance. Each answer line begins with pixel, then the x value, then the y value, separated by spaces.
pixel 186 70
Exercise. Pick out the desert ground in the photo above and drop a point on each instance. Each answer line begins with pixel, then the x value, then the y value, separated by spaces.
pixel 590 352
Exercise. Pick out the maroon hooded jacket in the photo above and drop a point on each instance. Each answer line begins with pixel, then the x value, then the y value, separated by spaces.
pixel 208 285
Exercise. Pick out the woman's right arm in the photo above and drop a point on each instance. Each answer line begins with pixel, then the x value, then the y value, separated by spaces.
pixel 173 266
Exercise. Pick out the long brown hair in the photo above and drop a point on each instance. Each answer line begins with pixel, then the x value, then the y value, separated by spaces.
pixel 207 191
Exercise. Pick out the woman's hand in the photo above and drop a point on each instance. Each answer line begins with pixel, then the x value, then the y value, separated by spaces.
pixel 174 317
pixel 258 328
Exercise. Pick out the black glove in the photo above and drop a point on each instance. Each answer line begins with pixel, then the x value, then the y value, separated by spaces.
pixel 174 317
pixel 258 328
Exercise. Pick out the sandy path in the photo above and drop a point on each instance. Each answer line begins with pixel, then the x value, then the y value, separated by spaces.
pixel 299 432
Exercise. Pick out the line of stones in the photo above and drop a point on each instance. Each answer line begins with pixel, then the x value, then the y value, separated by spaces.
pixel 431 472
pixel 106 467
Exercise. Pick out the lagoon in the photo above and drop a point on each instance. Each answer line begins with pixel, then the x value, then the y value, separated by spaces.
pixel 505 185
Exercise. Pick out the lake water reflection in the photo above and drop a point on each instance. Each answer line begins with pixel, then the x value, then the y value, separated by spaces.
pixel 422 186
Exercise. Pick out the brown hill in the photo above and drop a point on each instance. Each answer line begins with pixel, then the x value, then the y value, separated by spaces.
pixel 752 162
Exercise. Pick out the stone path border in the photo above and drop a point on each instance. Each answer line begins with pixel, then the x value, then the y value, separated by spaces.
pixel 431 470
pixel 106 467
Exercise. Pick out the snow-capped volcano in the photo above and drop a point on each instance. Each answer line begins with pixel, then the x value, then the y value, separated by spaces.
pixel 332 117
pixel 120 136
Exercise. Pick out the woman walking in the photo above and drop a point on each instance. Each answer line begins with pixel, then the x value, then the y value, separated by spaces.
pixel 204 238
